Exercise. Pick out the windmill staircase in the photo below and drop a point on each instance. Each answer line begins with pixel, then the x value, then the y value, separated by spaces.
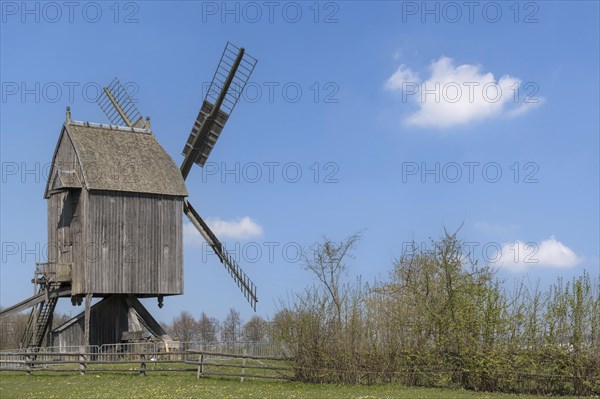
pixel 40 318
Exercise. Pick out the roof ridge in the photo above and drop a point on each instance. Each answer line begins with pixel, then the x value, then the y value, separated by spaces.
pixel 109 126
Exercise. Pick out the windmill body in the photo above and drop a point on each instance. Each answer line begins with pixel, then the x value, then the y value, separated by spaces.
pixel 114 212
pixel 115 229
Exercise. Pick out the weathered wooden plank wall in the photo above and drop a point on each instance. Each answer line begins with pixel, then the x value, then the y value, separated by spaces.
pixel 135 243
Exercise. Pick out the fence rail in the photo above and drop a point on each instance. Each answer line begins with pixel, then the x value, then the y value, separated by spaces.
pixel 204 359
pixel 118 350
pixel 223 359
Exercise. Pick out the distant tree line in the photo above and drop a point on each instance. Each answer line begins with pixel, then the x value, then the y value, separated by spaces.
pixel 186 328
pixel 441 319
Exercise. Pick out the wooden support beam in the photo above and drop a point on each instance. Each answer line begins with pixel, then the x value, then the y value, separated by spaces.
pixel 147 319
pixel 34 300
pixel 86 320
pixel 49 337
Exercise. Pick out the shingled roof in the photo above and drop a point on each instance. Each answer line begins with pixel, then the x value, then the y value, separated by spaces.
pixel 116 159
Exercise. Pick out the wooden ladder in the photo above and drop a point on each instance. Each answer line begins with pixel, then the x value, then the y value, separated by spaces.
pixel 40 318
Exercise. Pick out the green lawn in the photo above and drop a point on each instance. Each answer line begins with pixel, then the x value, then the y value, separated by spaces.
pixel 185 385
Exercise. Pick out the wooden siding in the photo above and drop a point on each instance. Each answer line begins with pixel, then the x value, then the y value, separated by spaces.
pixel 134 244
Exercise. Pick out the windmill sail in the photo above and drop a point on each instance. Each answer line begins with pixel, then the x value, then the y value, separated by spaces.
pixel 206 143
pixel 224 92
pixel 230 78
pixel 118 106
pixel 243 281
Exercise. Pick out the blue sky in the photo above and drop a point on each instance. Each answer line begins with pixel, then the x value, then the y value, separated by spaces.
pixel 344 93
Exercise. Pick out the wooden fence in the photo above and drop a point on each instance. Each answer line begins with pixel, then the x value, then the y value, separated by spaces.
pixel 204 363
pixel 204 360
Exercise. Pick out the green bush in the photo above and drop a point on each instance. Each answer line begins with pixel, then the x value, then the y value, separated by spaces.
pixel 441 320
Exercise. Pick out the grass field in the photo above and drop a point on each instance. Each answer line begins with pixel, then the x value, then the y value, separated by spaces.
pixel 185 385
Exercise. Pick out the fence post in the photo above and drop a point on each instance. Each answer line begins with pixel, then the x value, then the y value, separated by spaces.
pixel 28 358
pixel 200 372
pixel 245 352
pixel 82 359
pixel 143 365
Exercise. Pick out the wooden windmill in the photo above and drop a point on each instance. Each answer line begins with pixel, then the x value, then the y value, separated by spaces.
pixel 115 228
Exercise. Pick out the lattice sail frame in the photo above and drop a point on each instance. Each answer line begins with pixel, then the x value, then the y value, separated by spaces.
pixel 225 101
pixel 242 75
pixel 118 106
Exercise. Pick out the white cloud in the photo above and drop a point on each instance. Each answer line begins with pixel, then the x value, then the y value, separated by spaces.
pixel 403 75
pixel 524 108
pixel 457 95
pixel 520 256
pixel 240 228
